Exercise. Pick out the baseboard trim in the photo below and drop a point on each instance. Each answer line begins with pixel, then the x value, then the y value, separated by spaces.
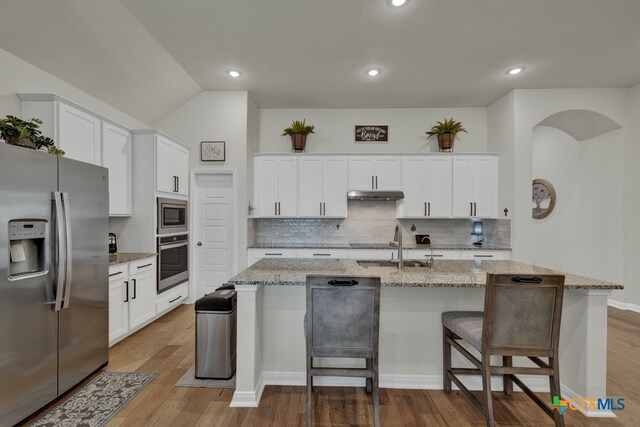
pixel 568 394
pixel 623 305
pixel 248 399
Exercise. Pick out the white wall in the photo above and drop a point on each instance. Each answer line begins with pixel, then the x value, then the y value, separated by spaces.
pixel 334 129
pixel 632 197
pixel 217 116
pixel 18 76
pixel 584 234
pixel 501 128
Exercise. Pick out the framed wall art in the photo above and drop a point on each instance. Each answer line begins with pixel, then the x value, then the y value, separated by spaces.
pixel 212 151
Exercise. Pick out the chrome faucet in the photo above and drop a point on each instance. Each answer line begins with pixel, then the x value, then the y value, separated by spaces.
pixel 397 242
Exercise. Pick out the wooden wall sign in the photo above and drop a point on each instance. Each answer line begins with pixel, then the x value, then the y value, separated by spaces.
pixel 372 134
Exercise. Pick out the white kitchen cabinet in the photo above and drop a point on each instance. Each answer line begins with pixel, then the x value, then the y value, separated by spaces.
pixel 117 157
pixel 373 254
pixel 427 187
pixel 254 254
pixel 171 298
pixel 425 254
pixel 276 186
pixel 486 254
pixel 323 187
pixel 132 297
pixel 172 167
pixel 374 173
pixel 322 253
pixel 475 186
pixel 79 134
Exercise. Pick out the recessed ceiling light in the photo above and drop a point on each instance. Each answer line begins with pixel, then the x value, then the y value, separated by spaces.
pixel 515 71
pixel 398 3
pixel 373 72
pixel 234 73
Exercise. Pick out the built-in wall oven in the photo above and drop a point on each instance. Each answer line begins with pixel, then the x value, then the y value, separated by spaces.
pixel 172 216
pixel 173 263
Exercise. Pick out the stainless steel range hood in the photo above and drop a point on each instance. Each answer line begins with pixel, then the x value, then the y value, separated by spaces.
pixel 375 195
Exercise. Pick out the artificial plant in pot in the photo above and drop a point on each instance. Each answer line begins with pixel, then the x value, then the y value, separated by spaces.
pixel 446 132
pixel 20 132
pixel 298 131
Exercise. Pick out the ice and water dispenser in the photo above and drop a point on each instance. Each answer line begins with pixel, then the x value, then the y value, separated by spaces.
pixel 27 248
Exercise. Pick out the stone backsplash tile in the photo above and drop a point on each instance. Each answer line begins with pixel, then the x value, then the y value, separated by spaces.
pixel 373 222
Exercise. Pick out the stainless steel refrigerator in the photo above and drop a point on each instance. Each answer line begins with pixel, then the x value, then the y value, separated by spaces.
pixel 53 277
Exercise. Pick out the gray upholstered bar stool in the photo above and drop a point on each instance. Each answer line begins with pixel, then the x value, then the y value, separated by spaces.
pixel 521 318
pixel 342 320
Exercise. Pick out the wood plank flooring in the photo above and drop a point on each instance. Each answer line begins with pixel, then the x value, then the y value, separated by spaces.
pixel 167 347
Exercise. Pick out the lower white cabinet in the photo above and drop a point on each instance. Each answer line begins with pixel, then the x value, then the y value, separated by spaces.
pixel 172 298
pixel 373 254
pixel 322 253
pixel 254 255
pixel 486 255
pixel 427 254
pixel 132 297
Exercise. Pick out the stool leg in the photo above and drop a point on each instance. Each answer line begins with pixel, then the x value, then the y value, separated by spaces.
pixel 369 380
pixel 309 380
pixel 446 360
pixel 506 379
pixel 375 394
pixel 486 389
pixel 554 383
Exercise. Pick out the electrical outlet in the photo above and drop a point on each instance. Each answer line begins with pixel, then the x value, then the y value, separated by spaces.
pixel 500 234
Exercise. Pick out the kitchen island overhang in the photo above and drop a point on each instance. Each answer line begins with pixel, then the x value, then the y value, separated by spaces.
pixel 271 306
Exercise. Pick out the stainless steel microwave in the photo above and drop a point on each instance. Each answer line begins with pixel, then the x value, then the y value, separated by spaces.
pixel 172 216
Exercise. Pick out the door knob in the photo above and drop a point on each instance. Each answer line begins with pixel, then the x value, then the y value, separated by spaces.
pixel 199 243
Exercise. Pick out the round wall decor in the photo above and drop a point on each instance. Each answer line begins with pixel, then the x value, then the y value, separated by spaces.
pixel 543 198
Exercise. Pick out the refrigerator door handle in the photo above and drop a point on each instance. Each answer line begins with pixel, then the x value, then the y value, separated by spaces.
pixel 60 249
pixel 69 253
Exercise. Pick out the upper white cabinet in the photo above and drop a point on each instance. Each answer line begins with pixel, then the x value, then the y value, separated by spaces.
pixel 323 187
pixel 117 157
pixel 276 186
pixel 89 138
pixel 79 134
pixel 427 187
pixel 172 167
pixel 374 173
pixel 475 186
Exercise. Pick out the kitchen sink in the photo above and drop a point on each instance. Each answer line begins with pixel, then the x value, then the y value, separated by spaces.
pixel 394 264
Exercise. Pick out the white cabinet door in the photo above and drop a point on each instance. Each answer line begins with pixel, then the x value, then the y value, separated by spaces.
pixel 462 187
pixel 414 203
pixel 142 298
pixel 437 186
pixel 361 173
pixel 387 173
pixel 334 188
pixel 79 134
pixel 485 255
pixel 118 306
pixel 165 180
pixel 266 186
pixel 485 187
pixel 287 187
pixel 116 156
pixel 180 161
pixel 310 195
pixel 322 253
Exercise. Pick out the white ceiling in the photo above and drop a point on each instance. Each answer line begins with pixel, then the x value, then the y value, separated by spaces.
pixel 314 53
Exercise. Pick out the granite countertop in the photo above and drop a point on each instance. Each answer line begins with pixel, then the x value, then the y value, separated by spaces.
pixel 124 257
pixel 385 245
pixel 444 274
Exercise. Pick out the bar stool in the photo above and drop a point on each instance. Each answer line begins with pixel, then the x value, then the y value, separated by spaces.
pixel 342 320
pixel 521 318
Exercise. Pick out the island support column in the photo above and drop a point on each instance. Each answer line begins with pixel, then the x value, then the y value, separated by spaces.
pixel 249 384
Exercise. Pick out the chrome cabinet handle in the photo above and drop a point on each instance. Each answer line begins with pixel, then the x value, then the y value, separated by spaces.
pixel 175 299
pixel 135 288
pixel 372 187
pixel 115 274
pixel 425 208
pixel 376 182
pixel 429 208
pixel 272 254
pixel 320 208
pixel 61 250
pixel 471 208
pixel 146 265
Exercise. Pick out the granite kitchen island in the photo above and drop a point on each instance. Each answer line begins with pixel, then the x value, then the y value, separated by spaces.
pixel 271 307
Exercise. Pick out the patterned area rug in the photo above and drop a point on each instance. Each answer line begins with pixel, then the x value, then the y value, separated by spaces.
pixel 98 401
pixel 189 380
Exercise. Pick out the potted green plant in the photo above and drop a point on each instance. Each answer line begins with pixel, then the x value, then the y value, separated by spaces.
pixel 446 132
pixel 20 132
pixel 298 131
pixel 26 133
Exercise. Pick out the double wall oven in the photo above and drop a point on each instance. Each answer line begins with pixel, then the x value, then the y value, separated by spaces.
pixel 173 243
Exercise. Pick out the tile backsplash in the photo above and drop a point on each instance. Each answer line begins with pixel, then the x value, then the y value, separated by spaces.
pixel 373 222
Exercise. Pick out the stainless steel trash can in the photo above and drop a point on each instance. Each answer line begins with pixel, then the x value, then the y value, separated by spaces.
pixel 216 335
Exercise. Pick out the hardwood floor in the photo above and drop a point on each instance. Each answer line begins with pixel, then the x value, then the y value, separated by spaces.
pixel 166 346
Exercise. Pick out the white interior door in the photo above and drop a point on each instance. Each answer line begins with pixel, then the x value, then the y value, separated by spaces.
pixel 214 232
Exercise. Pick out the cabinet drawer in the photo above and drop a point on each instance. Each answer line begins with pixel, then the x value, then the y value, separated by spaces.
pixel 272 253
pixel 172 298
pixel 118 271
pixel 372 254
pixel 142 265
pixel 323 253
pixel 482 255
pixel 437 254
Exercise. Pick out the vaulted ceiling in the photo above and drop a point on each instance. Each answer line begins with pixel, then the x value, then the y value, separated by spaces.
pixel 146 57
